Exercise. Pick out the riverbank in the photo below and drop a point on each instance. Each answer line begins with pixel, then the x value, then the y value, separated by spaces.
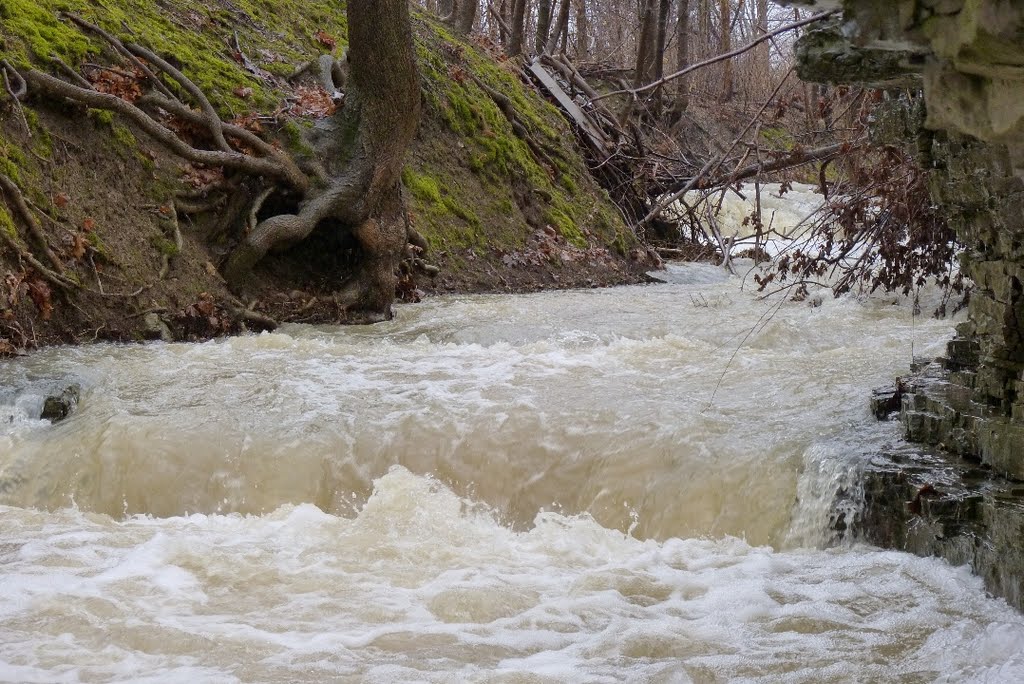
pixel 502 206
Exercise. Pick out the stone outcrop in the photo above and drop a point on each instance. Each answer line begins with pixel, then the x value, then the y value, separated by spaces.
pixel 964 499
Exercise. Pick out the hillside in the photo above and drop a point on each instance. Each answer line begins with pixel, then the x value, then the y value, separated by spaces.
pixel 499 192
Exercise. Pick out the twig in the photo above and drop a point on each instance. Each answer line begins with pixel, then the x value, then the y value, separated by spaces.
pixel 71 73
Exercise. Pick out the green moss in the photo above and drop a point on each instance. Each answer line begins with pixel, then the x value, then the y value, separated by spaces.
pixel 164 246
pixel 125 137
pixel 195 34
pixel 566 225
pixel 778 138
pixel 9 168
pixel 295 138
pixel 422 186
pixel 7 223
pixel 93 238
pixel 101 116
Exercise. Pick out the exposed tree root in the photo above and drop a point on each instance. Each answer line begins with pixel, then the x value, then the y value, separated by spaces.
pixel 15 198
pixel 270 200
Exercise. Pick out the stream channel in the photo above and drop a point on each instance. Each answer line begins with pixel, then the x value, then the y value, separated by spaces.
pixel 559 487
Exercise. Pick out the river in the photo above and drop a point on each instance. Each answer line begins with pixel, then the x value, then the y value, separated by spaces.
pixel 622 485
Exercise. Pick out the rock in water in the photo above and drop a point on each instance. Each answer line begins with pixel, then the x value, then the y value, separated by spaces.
pixel 57 407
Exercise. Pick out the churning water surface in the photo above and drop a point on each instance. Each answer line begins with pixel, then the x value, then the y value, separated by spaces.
pixel 626 485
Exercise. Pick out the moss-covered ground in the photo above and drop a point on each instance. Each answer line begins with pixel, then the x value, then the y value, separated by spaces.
pixel 478 192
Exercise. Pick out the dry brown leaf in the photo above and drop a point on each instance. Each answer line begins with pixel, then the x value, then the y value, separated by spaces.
pixel 40 293
pixel 325 39
pixel 79 246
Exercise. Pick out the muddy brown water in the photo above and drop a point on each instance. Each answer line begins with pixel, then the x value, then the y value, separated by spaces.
pixel 527 488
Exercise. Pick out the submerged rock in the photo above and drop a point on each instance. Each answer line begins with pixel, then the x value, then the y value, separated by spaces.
pixel 57 407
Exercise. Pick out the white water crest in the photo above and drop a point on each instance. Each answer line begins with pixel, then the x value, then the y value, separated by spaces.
pixel 786 213
pixel 597 486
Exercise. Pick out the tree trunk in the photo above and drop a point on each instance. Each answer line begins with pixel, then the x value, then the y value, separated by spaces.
pixel 727 83
pixel 764 49
pixel 515 43
pixel 363 194
pixel 543 25
pixel 466 16
pixel 683 55
pixel 645 44
pixel 445 7
pixel 561 24
pixel 582 31
pixel 658 57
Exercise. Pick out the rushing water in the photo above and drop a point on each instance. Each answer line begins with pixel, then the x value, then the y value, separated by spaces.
pixel 588 486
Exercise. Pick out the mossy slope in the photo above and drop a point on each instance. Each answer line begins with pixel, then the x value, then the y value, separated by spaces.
pixel 477 191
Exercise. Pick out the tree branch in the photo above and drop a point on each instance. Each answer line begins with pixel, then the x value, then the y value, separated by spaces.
pixel 633 92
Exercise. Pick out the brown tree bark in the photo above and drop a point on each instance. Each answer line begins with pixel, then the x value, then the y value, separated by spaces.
pixel 543 25
pixel 466 16
pixel 683 54
pixel 645 44
pixel 561 24
pixel 658 57
pixel 726 33
pixel 363 195
pixel 763 50
pixel 582 31
pixel 515 43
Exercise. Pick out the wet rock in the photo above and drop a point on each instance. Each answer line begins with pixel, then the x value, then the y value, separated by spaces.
pixel 154 328
pixel 886 401
pixel 934 504
pixel 57 407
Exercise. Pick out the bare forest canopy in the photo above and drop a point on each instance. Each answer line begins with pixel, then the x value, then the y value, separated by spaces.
pixel 331 129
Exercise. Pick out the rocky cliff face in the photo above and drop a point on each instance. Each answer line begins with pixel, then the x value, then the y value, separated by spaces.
pixel 968 55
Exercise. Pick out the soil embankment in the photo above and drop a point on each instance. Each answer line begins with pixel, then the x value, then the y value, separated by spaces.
pixel 504 206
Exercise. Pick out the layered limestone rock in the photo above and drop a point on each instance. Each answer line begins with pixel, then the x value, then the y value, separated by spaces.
pixel 963 501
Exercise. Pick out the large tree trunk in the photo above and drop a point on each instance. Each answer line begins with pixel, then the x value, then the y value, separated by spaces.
pixel 683 55
pixel 515 44
pixel 582 32
pixel 726 46
pixel 543 25
pixel 658 58
pixel 466 16
pixel 363 194
pixel 645 44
